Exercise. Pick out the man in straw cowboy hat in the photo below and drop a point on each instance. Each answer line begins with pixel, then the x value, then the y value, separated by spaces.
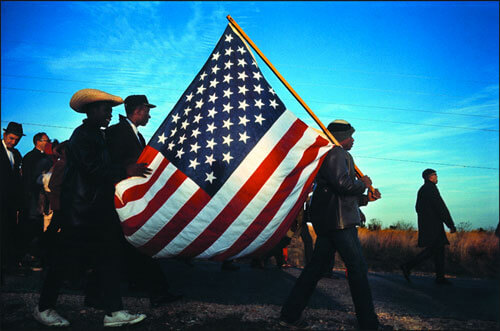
pixel 89 232
pixel 10 204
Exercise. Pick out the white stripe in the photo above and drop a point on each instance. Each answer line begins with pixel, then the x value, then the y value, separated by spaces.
pixel 165 213
pixel 133 181
pixel 261 200
pixel 285 208
pixel 137 206
pixel 230 188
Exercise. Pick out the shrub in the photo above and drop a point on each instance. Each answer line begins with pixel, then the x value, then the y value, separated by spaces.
pixel 374 224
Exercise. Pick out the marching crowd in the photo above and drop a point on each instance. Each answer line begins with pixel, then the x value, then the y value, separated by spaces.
pixel 74 180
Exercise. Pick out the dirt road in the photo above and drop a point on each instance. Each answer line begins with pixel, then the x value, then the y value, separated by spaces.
pixel 250 299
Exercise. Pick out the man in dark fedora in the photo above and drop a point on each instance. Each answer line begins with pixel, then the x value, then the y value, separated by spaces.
pixel 89 231
pixel 432 213
pixel 10 195
pixel 125 144
pixel 335 216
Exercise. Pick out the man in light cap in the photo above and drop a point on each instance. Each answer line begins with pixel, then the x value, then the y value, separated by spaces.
pixel 432 212
pixel 89 231
pixel 10 196
pixel 335 214
pixel 125 144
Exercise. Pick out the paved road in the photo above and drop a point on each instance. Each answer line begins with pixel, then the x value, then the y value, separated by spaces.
pixel 204 285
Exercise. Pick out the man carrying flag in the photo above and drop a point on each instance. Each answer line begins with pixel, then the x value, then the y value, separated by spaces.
pixel 335 215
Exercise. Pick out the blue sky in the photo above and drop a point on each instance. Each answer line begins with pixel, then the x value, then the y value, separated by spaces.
pixel 418 80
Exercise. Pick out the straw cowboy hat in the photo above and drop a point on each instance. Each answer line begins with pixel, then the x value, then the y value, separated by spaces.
pixel 88 95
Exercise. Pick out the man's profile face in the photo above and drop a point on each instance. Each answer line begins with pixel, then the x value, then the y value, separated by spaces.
pixel 347 143
pixel 101 114
pixel 143 114
pixel 433 178
pixel 10 139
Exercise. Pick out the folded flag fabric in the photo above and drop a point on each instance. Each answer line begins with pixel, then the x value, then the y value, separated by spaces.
pixel 231 166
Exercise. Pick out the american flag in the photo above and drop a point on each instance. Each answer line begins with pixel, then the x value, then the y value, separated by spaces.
pixel 231 166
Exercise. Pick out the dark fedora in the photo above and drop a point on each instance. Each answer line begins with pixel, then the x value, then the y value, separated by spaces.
pixel 15 128
pixel 132 101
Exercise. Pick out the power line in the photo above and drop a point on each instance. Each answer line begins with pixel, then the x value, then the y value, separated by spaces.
pixel 313 101
pixel 361 156
pixel 425 162
pixel 437 125
pixel 319 84
pixel 327 68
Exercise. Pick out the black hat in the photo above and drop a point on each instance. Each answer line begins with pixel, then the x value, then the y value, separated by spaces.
pixel 132 101
pixel 15 128
pixel 427 172
pixel 341 129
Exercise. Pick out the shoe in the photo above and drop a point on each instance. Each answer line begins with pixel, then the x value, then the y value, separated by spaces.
pixel 443 281
pixel 161 300
pixel 406 272
pixel 49 317
pixel 122 317
pixel 298 324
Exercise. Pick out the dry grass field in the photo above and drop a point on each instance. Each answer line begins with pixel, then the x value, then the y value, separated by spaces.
pixel 470 253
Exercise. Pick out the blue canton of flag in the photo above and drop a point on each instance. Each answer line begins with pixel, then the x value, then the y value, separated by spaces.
pixel 225 111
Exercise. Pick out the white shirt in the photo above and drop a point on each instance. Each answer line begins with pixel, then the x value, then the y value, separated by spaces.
pixel 10 155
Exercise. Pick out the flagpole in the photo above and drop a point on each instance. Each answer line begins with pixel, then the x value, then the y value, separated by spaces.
pixel 283 80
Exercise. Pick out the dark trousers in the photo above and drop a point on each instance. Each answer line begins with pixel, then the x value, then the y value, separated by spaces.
pixel 346 243
pixel 30 236
pixel 98 249
pixel 144 271
pixel 308 243
pixel 436 252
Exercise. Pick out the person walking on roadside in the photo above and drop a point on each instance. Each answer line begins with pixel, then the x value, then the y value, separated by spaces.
pixel 35 163
pixel 125 144
pixel 89 232
pixel 10 197
pixel 432 212
pixel 335 215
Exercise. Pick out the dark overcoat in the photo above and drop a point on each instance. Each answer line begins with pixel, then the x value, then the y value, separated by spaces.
pixel 88 185
pixel 34 164
pixel 10 204
pixel 432 212
pixel 123 144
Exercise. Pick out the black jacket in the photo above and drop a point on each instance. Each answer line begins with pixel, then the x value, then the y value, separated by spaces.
pixel 34 164
pixel 88 185
pixel 336 197
pixel 10 180
pixel 432 212
pixel 123 145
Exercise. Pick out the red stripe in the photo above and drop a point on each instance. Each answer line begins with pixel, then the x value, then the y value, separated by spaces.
pixel 273 206
pixel 181 219
pixel 287 222
pixel 136 192
pixel 134 223
pixel 247 192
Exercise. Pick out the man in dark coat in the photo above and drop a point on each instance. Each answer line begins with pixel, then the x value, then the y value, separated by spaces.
pixel 89 231
pixel 125 144
pixel 335 215
pixel 35 163
pixel 10 195
pixel 432 212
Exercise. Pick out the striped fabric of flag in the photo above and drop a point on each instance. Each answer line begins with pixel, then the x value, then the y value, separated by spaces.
pixel 231 166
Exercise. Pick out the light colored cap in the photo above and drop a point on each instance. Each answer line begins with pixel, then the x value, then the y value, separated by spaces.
pixel 88 95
